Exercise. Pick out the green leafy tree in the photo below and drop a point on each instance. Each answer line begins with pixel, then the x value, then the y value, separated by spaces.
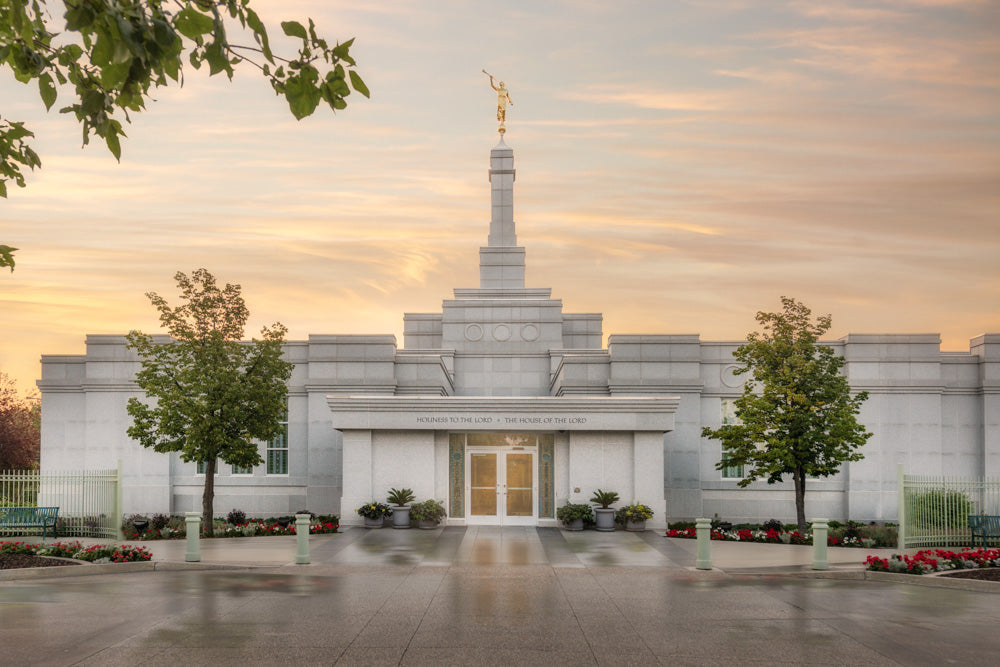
pixel 796 415
pixel 107 55
pixel 210 395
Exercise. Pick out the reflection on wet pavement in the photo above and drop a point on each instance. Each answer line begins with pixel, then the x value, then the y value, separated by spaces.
pixel 496 546
pixel 487 595
pixel 242 584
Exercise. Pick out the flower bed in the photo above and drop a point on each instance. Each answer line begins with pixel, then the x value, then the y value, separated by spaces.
pixel 935 560
pixel 848 534
pixel 248 529
pixel 763 536
pixel 98 553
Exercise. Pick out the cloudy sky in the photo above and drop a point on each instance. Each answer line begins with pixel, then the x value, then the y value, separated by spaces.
pixel 681 165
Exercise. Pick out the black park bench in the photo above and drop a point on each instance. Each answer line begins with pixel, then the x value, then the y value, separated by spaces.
pixel 29 517
pixel 985 526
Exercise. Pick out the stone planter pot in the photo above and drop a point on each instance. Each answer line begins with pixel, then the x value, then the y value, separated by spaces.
pixel 635 526
pixel 604 518
pixel 575 524
pixel 373 523
pixel 401 516
pixel 427 525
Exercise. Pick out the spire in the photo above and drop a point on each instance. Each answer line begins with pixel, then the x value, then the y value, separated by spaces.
pixel 502 196
pixel 501 262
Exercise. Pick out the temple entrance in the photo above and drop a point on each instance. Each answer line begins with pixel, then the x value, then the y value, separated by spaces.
pixel 502 486
pixel 501 478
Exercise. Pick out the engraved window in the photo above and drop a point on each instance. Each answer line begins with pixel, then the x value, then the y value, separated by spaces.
pixel 277 449
pixel 729 417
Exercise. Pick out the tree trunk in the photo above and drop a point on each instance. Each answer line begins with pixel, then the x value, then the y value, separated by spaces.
pixel 207 498
pixel 800 498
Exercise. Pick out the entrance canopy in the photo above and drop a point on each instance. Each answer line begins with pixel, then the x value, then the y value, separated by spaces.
pixel 493 413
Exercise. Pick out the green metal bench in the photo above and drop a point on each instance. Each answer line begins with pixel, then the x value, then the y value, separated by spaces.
pixel 29 517
pixel 985 526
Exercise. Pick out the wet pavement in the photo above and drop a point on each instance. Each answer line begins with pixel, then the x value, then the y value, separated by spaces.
pixel 489 596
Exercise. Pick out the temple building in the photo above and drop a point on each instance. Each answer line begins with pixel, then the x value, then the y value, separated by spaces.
pixel 504 407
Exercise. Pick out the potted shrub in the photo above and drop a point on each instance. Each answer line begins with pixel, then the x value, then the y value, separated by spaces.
pixel 634 516
pixel 428 514
pixel 574 515
pixel 399 498
pixel 604 516
pixel 374 513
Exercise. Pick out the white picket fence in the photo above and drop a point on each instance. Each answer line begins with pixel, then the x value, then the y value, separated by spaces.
pixel 934 509
pixel 89 501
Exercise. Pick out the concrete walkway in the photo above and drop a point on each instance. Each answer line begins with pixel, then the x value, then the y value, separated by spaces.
pixel 489 596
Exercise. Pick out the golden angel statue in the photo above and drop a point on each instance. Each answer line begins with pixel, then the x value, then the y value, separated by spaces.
pixel 503 97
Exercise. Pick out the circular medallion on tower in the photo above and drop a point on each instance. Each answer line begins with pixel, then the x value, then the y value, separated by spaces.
pixel 473 332
pixel 729 378
pixel 501 332
pixel 529 332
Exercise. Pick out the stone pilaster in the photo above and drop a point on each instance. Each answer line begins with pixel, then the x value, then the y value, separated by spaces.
pixel 357 468
pixel 987 349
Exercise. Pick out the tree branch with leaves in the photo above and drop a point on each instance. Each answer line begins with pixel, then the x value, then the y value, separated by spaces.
pixel 108 55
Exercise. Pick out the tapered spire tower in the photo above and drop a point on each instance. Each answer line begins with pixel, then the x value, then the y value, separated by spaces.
pixel 501 262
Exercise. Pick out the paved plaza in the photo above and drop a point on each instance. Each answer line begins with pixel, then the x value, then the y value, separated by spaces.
pixel 490 596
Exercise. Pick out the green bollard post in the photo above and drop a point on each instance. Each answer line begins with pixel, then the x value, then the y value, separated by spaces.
pixel 302 539
pixel 819 530
pixel 192 523
pixel 704 531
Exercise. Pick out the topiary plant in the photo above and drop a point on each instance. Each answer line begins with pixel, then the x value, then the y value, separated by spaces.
pixel 604 498
pixel 635 513
pixel 428 510
pixel 374 510
pixel 400 497
pixel 572 511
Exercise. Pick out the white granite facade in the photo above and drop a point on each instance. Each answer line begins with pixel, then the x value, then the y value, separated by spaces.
pixel 503 376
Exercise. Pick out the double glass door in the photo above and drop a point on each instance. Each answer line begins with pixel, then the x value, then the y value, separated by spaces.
pixel 502 485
